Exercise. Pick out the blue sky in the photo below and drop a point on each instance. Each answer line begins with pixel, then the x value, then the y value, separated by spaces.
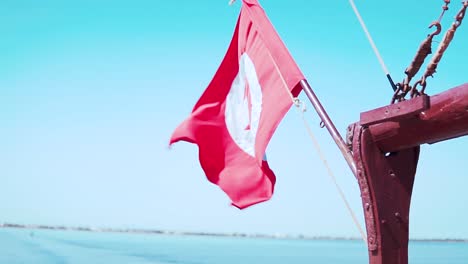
pixel 90 94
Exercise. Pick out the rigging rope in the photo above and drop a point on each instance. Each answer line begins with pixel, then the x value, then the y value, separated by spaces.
pixel 369 37
pixel 432 66
pixel 301 108
pixel 424 50
pixel 444 8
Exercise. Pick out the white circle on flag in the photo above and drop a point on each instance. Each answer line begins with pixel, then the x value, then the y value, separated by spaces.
pixel 244 106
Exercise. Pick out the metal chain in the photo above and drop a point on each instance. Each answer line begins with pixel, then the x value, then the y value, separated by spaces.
pixel 424 50
pixel 432 66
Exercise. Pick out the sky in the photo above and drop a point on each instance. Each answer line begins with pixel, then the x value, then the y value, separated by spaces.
pixel 90 93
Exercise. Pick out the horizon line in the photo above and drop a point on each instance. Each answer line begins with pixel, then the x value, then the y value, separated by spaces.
pixel 202 233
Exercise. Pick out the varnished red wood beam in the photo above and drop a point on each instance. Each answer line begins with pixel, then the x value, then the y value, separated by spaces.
pixel 446 118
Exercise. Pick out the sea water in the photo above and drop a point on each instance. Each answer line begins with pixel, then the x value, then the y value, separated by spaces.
pixel 49 246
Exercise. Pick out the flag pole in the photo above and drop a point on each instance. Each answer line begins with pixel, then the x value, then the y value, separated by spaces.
pixel 345 151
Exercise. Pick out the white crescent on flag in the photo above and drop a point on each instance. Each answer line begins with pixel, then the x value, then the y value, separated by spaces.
pixel 236 116
pixel 242 113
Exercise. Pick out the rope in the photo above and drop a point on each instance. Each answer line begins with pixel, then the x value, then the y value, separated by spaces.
pixel 329 171
pixel 301 108
pixel 369 37
pixel 444 8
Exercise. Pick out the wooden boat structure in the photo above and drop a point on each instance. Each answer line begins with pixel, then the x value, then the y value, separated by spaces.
pixel 382 147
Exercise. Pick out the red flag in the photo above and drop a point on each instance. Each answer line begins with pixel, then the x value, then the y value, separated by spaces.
pixel 236 116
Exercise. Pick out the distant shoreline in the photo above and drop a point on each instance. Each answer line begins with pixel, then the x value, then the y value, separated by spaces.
pixel 182 233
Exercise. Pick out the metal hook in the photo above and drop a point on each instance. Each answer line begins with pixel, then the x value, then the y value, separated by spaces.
pixel 414 91
pixel 438 29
